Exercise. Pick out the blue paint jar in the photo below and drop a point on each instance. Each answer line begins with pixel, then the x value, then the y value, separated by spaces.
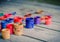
pixel 3 24
pixel 13 13
pixel 29 23
pixel 9 20
pixel 37 20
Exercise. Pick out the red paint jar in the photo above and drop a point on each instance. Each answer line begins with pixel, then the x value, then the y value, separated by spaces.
pixel 18 20
pixel 48 21
pixel 29 15
pixel 10 26
pixel 7 15
pixel 3 18
pixel 25 16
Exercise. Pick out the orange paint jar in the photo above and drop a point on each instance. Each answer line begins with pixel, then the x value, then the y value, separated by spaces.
pixel 6 33
pixel 18 29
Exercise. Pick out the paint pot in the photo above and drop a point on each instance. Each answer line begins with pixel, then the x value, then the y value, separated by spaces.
pixel 18 29
pixel 7 15
pixel 39 11
pixel 13 13
pixel 2 18
pixel 1 14
pixel 18 20
pixel 48 20
pixel 37 20
pixel 28 14
pixel 25 16
pixel 3 24
pixel 42 19
pixel 9 20
pixel 10 26
pixel 29 23
pixel 6 33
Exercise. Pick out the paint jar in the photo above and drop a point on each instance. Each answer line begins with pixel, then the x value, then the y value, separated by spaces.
pixel 18 20
pixel 2 18
pixel 10 20
pixel 39 11
pixel 1 14
pixel 42 19
pixel 37 20
pixel 10 26
pixel 7 15
pixel 6 33
pixel 48 20
pixel 3 24
pixel 13 13
pixel 18 29
pixel 29 23
pixel 25 16
pixel 29 15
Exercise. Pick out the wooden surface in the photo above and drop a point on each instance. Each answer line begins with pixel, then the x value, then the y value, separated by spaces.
pixel 40 33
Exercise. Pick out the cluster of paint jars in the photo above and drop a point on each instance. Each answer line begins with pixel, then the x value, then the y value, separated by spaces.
pixel 7 15
pixel 30 22
pixel 7 26
pixel 15 25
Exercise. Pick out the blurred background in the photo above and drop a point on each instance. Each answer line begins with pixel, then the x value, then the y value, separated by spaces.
pixel 55 2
